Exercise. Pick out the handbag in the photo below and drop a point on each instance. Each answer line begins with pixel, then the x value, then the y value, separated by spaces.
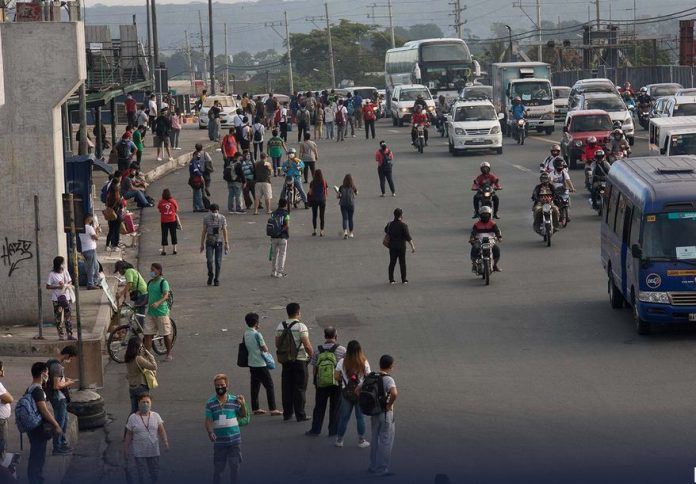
pixel 387 239
pixel 267 357
pixel 243 355
pixel 150 376
pixel 109 214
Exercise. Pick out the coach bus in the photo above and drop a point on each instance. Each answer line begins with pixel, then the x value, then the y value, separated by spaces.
pixel 444 66
pixel 648 239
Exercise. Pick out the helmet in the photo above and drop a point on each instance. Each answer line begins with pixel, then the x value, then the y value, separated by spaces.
pixel 485 165
pixel 485 210
pixel 558 163
pixel 644 89
pixel 544 177
pixel 618 132
pixel 517 99
pixel 599 154
pixel 591 140
pixel 520 122
pixel 292 151
pixel 420 96
pixel 555 148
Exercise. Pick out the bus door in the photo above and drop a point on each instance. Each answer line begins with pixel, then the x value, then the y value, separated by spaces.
pixel 623 226
pixel 633 264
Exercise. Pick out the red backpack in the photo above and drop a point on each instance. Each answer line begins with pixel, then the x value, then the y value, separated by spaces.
pixel 339 115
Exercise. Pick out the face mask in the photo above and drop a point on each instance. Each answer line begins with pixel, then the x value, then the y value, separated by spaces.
pixel 220 390
pixel 153 274
pixel 291 155
pixel 144 407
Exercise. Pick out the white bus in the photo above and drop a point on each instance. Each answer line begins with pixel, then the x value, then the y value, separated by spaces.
pixel 444 66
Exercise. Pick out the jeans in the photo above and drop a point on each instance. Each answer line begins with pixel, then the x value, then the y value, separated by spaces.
pixel 138 196
pixel 329 130
pixel 309 166
pixel 258 148
pixel 234 197
pixel 168 228
pixel 198 199
pixel 224 455
pixel 382 442
pixel 37 455
pixel 346 410
pixel 385 173
pixel 147 468
pixel 134 393
pixel 174 138
pixel 324 396
pixel 284 131
pixel 213 251
pixel 370 127
pixel 347 214
pixel 91 266
pixel 279 247
pixel 340 131
pixel 300 188
pixel 321 208
pixel 114 235
pixel 301 130
pixel 400 254
pixel 351 123
pixel 261 376
pixel 60 413
pixel 294 386
pixel 276 164
pixel 248 192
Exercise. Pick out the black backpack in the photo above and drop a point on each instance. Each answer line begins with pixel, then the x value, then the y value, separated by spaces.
pixel 257 135
pixel 373 399
pixel 123 150
pixel 274 226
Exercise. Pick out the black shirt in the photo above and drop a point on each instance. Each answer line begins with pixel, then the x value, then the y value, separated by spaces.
pixel 398 234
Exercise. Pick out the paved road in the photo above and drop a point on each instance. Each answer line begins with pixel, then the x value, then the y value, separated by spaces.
pixel 533 379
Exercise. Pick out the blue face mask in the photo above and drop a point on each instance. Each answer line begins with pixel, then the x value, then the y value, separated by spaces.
pixel 153 274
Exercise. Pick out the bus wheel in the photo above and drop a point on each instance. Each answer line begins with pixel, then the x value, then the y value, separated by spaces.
pixel 643 328
pixel 615 297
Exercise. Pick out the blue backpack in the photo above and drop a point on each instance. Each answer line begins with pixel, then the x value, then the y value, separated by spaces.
pixel 104 191
pixel 350 108
pixel 27 415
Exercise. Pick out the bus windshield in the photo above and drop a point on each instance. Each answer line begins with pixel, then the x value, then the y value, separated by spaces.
pixel 683 144
pixel 455 53
pixel 532 91
pixel 670 235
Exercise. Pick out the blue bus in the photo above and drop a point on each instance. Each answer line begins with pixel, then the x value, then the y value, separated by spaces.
pixel 649 239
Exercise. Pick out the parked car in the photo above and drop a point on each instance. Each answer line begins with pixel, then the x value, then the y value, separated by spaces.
pixel 663 89
pixel 229 106
pixel 473 124
pixel 579 126
pixel 403 99
pixel 612 104
pixel 560 102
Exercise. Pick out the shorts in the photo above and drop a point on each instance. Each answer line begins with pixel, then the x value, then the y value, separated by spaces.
pixel 263 190
pixel 161 142
pixel 157 325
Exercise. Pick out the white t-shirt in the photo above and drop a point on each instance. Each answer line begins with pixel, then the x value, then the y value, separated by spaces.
pixel 88 243
pixel 145 436
pixel 339 368
pixel 5 410
pixel 558 179
pixel 54 279
pixel 152 105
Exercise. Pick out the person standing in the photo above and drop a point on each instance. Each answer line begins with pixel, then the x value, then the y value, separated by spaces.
pixel 247 166
pixel 329 118
pixel 229 147
pixel 368 114
pixel 235 184
pixel 318 191
pixel 56 389
pixel 346 200
pixel 214 121
pixel 350 118
pixel 276 148
pixel 144 430
pixel 137 359
pixel 213 236
pixel 309 154
pixel 398 234
pixel 279 239
pixel 385 162
pixel 259 132
pixel 208 170
pixel 258 368
pixel 138 137
pixel 262 184
pixel 125 149
pixel 351 371
pixel 6 400
pixel 340 117
pixel 162 129
pixel 383 424
pixel 357 106
pixel 196 180
pixel 151 111
pixel 157 321
pixel 176 129
pixel 319 124
pixel 246 139
pixel 294 351
pixel 328 389
pixel 224 414
pixel 60 284
pixel 131 108
pixel 88 241
pixel 168 209
pixel 284 122
pixel 303 122
pixel 114 201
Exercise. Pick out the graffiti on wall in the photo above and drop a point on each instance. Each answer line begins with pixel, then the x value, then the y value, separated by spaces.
pixel 13 253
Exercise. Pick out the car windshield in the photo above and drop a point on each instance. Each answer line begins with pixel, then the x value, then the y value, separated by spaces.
pixel 561 92
pixel 225 102
pixel 532 91
pixel 659 91
pixel 670 235
pixel 366 93
pixel 475 113
pixel 606 104
pixel 684 110
pixel 412 94
pixel 683 144
pixel 591 123
pixel 598 87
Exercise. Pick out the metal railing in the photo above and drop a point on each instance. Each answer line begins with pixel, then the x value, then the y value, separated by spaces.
pixel 637 76
pixel 114 64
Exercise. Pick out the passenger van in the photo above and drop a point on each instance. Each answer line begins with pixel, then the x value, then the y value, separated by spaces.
pixel 648 241
pixel 673 136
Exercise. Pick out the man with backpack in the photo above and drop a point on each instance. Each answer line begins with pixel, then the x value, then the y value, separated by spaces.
pixel 125 149
pixel 213 236
pixel 349 104
pixel 377 396
pixel 162 128
pixel 234 176
pixel 31 412
pixel 340 116
pixel 293 350
pixel 157 321
pixel 277 229
pixel 57 393
pixel 303 122
pixel 327 388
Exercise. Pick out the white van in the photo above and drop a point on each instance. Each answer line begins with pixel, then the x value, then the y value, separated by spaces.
pixel 403 99
pixel 673 136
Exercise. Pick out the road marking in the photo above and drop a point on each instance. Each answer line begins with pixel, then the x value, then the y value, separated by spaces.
pixel 522 168
pixel 549 141
pixel 393 131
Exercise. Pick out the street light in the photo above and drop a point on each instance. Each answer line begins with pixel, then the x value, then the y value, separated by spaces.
pixel 510 42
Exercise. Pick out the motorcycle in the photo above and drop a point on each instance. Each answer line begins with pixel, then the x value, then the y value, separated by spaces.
pixel 644 115
pixel 521 131
pixel 618 155
pixel 483 264
pixel 420 138
pixel 547 227
pixel 599 196
pixel 588 177
pixel 562 201
pixel 290 193
pixel 485 195
pixel 442 126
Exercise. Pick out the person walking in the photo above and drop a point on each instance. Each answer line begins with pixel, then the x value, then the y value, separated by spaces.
pixel 224 414
pixel 137 359
pixel 309 154
pixel 303 122
pixel 247 166
pixel 6 401
pixel 37 436
pixel 319 124
pixel 276 148
pixel 176 129
pixel 247 135
pixel 294 351
pixel 318 191
pixel 368 114
pixel 346 200
pixel 235 182
pixel 157 321
pixel 351 371
pixel 88 241
pixel 56 389
pixel 62 294
pixel 259 131
pixel 262 184
pixel 383 423
pixel 162 129
pixel 152 111
pixel 358 105
pixel 213 236
pixel 258 367
pixel 397 235
pixel 329 118
pixel 229 146
pixel 350 118
pixel 125 149
pixel 385 163
pixel 328 390
pixel 196 180
pixel 284 120
pixel 279 239
pixel 131 106
pixel 340 117
pixel 169 220
pixel 144 430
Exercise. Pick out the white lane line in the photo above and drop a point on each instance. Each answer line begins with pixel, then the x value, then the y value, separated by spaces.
pixel 393 131
pixel 549 141
pixel 522 168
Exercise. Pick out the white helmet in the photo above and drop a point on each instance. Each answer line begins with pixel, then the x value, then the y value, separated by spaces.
pixel 292 151
pixel 485 164
pixel 485 209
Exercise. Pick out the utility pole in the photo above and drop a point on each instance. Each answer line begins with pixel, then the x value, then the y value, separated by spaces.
pixel 287 43
pixel 200 26
pixel 155 42
pixel 458 21
pixel 212 51
pixel 227 67
pixel 149 41
pixel 190 64
pixel 597 12
pixel 331 54
pixel 635 43
pixel 391 23
pixel 538 22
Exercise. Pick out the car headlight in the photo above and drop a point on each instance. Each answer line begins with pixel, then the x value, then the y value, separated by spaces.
pixel 404 110
pixel 431 108
pixel 459 131
pixel 578 143
pixel 653 297
pixel 495 130
pixel 628 122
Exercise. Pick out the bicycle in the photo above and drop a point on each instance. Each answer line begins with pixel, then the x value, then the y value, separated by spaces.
pixel 117 341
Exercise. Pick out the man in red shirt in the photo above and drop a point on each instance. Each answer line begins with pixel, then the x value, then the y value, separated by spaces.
pixel 229 146
pixel 369 116
pixel 131 108
pixel 419 117
pixel 486 178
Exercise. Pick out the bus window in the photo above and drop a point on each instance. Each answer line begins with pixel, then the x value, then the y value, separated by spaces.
pixel 605 214
pixel 620 216
pixel 611 208
pixel 635 227
pixel 627 222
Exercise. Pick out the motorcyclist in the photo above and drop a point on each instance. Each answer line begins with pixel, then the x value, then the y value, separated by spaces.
pixel 627 88
pixel 441 110
pixel 486 178
pixel 600 170
pixel 517 112
pixel 485 227
pixel 419 117
pixel 628 100
pixel 617 143
pixel 546 166
pixel 543 193
pixel 420 101
pixel 590 147
pixel 294 167
pixel 644 98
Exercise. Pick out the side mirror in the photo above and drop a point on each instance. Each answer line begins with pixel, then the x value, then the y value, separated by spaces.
pixel 501 116
pixel 395 100
pixel 636 251
pixel 477 69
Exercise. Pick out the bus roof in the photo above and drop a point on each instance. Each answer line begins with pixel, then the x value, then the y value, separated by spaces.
pixel 657 183
pixel 416 43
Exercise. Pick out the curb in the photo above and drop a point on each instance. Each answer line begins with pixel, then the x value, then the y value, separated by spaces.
pixel 178 162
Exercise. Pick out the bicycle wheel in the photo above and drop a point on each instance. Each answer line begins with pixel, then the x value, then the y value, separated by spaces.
pixel 158 345
pixel 117 342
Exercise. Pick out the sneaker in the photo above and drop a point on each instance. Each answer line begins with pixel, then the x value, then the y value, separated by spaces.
pixel 394 194
pixel 282 274
pixel 309 433
pixel 339 442
pixel 216 283
pixel 351 235
pixel 381 196
pixel 259 412
pixel 362 443
pixel 404 281
pixel 159 159
pixel 210 281
pixel 241 210
pixel 274 274
pixel 392 282
pixel 171 159
pixel 314 234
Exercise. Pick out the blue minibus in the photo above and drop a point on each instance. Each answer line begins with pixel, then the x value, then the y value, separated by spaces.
pixel 648 240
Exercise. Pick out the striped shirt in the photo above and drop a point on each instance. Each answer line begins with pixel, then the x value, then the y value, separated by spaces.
pixel 224 418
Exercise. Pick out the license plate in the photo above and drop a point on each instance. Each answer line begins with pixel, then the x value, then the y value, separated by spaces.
pixel 692 316
pixel 478 141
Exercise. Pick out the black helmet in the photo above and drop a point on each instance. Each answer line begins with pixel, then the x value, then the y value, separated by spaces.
pixel 558 163
pixel 555 148
pixel 599 154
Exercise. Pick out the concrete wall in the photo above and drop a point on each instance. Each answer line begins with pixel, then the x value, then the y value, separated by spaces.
pixel 42 65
